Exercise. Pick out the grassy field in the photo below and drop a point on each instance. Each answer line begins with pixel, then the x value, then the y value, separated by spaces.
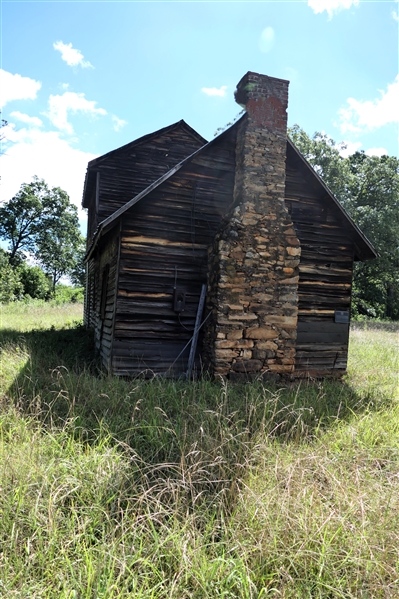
pixel 114 489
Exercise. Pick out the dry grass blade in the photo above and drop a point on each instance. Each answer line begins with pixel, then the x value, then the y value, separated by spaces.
pixel 114 489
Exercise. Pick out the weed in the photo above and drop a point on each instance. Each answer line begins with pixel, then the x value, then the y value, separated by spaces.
pixel 114 488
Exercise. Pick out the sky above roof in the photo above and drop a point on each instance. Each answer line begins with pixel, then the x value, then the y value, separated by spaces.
pixel 79 79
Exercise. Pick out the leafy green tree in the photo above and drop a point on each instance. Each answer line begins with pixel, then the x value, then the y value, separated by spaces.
pixel 368 188
pixel 374 206
pixel 42 222
pixel 60 238
pixel 324 155
pixel 35 282
pixel 78 273
pixel 20 218
pixel 11 287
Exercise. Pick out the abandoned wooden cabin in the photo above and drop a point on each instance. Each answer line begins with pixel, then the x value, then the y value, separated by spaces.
pixel 230 257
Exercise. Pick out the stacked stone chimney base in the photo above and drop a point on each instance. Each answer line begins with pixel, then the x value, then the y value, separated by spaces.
pixel 253 263
pixel 253 297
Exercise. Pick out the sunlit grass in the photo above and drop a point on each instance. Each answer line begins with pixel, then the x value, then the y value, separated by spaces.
pixel 25 316
pixel 374 362
pixel 114 488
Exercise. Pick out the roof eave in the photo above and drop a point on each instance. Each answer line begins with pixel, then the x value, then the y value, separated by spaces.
pixel 109 222
pixel 144 138
pixel 93 163
pixel 364 247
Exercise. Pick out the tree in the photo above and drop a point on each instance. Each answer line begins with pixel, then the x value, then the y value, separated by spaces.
pixel 324 155
pixel 57 257
pixel 374 205
pixel 42 222
pixel 20 218
pixel 35 283
pixel 59 237
pixel 78 273
pixel 368 188
pixel 11 287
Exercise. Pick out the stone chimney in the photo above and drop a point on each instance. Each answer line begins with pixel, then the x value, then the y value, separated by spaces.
pixel 253 264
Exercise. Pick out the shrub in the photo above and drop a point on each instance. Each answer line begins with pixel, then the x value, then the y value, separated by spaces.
pixel 66 294
pixel 11 287
pixel 35 282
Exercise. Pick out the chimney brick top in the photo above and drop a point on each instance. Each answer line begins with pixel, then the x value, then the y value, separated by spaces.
pixel 265 100
pixel 254 85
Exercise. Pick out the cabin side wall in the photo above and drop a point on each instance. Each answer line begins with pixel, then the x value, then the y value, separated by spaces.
pixel 121 176
pixel 325 277
pixel 100 295
pixel 164 245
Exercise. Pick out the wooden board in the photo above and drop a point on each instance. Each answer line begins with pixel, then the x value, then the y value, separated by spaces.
pixel 164 242
pixel 325 271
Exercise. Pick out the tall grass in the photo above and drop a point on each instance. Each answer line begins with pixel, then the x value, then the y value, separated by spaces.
pixel 117 488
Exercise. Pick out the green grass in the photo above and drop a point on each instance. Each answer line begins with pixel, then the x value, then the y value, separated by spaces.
pixel 39 315
pixel 117 488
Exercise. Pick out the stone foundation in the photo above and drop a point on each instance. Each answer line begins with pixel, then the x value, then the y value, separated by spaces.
pixel 253 263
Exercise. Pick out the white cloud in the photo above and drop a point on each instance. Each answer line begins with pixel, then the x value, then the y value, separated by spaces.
pixel 331 6
pixel 118 123
pixel 214 91
pixel 60 106
pixel 366 115
pixel 348 148
pixel 266 40
pixel 25 118
pixel 30 152
pixel 376 152
pixel 72 56
pixel 395 15
pixel 16 87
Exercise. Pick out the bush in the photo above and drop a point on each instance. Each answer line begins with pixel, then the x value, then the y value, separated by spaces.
pixel 11 288
pixel 35 283
pixel 66 294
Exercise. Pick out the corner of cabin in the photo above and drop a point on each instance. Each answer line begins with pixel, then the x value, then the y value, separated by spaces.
pixel 330 242
pixel 245 215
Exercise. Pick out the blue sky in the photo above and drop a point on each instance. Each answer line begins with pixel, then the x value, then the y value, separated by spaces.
pixel 79 79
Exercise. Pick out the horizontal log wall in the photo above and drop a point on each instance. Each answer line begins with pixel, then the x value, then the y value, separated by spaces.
pixel 325 272
pixel 100 299
pixel 128 171
pixel 88 313
pixel 165 238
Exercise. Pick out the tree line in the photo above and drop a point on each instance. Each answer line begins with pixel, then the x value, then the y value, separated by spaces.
pixel 41 227
pixel 41 224
pixel 368 189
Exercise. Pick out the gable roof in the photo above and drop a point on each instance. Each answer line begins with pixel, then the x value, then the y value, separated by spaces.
pixel 109 222
pixel 364 248
pixel 90 178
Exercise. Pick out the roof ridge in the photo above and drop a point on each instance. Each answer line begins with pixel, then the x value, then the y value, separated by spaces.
pixel 110 219
pixel 344 213
pixel 144 138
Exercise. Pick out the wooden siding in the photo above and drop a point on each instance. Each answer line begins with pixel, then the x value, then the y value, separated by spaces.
pixel 325 272
pixel 124 173
pixel 100 295
pixel 165 239
pixel 88 310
